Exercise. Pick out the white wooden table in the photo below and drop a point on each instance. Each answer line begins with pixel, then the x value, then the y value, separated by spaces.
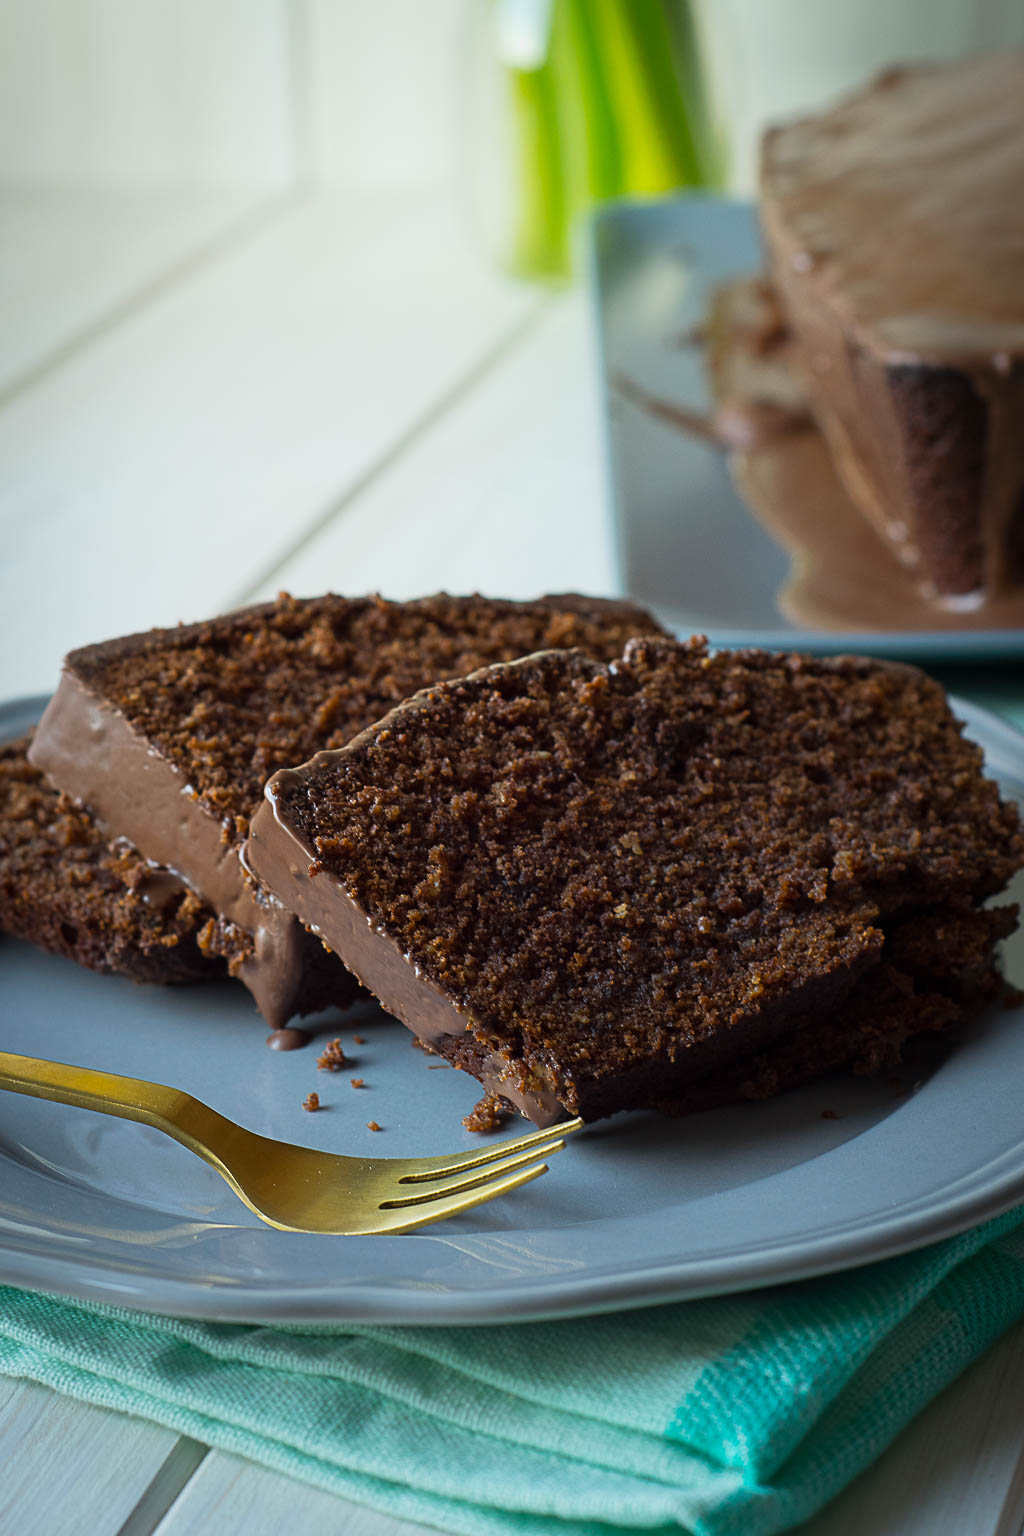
pixel 204 399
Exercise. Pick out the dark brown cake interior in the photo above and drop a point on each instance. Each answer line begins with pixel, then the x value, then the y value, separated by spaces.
pixel 65 889
pixel 628 876
pixel 937 969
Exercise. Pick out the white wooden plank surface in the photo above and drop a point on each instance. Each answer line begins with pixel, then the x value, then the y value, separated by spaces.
pixel 145 93
pixel 504 495
pixel 385 89
pixel 231 1497
pixel 69 1469
pixel 167 93
pixel 73 260
pixel 956 1470
pixel 191 446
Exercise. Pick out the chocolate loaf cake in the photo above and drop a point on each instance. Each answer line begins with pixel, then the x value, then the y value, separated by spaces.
pixel 169 736
pixel 65 889
pixel 894 227
pixel 596 885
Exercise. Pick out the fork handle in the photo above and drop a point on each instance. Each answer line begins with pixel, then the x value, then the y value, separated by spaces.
pixel 131 1098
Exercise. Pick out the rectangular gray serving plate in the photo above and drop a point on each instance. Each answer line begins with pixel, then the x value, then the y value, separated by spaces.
pixel 635 1210
pixel 685 543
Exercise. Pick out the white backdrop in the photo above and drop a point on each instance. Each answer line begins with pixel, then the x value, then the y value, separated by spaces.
pixel 269 93
pixel 254 93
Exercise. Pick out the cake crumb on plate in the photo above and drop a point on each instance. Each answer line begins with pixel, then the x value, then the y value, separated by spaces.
pixel 332 1058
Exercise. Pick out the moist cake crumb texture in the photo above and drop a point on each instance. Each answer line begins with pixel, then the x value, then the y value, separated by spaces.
pixel 613 870
pixel 920 987
pixel 64 888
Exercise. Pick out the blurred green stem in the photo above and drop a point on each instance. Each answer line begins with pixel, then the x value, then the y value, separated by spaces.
pixel 540 242
pixel 658 150
pixel 615 110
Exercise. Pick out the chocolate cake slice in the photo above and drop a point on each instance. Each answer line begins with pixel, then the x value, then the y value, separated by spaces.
pixel 169 736
pixel 64 888
pixel 894 226
pixel 595 885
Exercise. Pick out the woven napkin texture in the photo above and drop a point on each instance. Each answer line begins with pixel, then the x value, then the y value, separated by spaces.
pixel 737 1416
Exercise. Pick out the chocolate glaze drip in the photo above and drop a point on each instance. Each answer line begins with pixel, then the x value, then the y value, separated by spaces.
pixel 734 424
pixel 288 1039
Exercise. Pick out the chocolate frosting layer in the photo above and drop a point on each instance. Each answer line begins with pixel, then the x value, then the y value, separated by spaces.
pixel 90 750
pixel 843 575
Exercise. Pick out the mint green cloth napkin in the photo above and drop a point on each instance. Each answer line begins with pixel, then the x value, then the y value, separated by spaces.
pixel 738 1416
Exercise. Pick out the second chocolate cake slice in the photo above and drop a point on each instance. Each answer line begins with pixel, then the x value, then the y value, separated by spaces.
pixel 596 885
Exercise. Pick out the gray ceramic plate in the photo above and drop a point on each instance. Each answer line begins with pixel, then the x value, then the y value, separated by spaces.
pixel 634 1211
pixel 686 544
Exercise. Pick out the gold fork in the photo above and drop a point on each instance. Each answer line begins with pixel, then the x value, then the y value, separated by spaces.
pixel 297 1188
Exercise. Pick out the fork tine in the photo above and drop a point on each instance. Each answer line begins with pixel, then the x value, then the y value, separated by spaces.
pixel 405 1219
pixel 472 1180
pixel 537 1142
